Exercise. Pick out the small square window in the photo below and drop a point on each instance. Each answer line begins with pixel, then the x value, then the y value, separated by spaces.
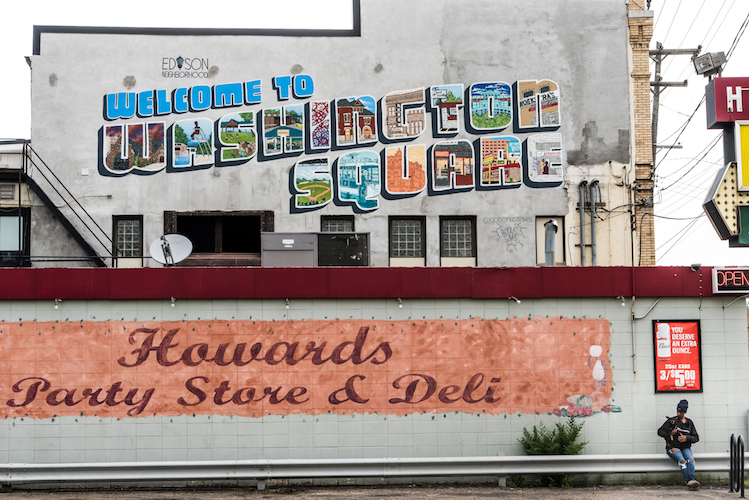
pixel 128 236
pixel 407 237
pixel 458 237
pixel 337 224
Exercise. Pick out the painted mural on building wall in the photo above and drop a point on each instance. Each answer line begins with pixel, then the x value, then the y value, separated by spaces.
pixel 151 144
pixel 253 368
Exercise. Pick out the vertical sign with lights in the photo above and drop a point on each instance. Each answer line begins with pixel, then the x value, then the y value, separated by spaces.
pixel 677 356
pixel 741 137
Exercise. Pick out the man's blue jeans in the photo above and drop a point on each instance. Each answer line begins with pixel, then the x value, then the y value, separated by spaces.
pixel 685 460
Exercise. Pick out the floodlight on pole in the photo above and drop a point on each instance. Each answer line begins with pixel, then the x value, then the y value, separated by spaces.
pixel 709 64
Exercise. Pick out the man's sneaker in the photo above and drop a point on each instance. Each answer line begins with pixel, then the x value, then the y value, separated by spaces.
pixel 693 485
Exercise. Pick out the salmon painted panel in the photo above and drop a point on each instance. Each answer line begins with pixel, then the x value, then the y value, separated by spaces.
pixel 255 368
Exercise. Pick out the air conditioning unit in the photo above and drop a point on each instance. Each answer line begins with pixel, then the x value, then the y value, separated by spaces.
pixel 343 249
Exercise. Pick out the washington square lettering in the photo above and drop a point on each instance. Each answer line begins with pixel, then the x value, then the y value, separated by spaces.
pixel 355 177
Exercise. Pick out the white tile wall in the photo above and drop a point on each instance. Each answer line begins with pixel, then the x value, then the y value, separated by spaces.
pixel 719 411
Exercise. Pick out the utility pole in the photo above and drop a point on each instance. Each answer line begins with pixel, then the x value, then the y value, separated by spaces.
pixel 645 166
pixel 658 85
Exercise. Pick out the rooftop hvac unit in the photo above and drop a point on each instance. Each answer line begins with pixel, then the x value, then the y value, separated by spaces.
pixel 288 249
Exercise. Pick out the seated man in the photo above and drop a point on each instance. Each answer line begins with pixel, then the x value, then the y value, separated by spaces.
pixel 679 433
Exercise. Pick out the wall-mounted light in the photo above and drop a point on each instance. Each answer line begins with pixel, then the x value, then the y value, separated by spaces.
pixel 695 267
pixel 400 302
pixel 173 301
pixel 514 298
pixel 622 299
pixel 57 303
pixel 709 64
pixel 287 303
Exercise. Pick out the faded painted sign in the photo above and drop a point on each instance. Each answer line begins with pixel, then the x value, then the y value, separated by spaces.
pixel 254 368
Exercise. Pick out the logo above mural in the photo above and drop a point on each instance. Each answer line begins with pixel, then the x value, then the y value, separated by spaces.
pixel 255 368
pixel 495 161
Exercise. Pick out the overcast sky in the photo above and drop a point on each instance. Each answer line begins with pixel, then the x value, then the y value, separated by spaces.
pixel 682 181
pixel 20 16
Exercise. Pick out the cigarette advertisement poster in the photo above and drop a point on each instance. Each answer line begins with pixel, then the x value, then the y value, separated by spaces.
pixel 678 362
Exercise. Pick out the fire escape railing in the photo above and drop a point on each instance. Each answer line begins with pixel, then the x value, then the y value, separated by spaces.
pixel 32 163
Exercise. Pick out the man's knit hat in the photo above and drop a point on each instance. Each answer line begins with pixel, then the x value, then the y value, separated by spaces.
pixel 683 405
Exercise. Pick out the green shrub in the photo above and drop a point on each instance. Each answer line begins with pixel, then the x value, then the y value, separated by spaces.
pixel 559 441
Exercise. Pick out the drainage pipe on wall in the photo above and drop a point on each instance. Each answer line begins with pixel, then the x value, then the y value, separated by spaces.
pixel 593 186
pixel 581 207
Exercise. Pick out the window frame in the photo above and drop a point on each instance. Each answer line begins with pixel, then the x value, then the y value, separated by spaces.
pixel 115 233
pixel 22 257
pixel 213 259
pixel 324 218
pixel 474 246
pixel 422 221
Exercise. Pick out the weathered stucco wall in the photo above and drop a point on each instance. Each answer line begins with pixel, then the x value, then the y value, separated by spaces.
pixel 540 350
pixel 581 47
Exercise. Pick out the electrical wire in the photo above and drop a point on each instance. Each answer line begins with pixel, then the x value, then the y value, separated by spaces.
pixel 680 233
pixel 734 44
pixel 687 33
pixel 675 186
pixel 736 40
pixel 692 226
pixel 690 67
pixel 715 143
pixel 672 23
pixel 677 218
pixel 719 25
pixel 683 128
pixel 660 14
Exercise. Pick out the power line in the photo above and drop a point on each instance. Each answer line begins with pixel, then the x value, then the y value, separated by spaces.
pixel 715 143
pixel 690 67
pixel 687 32
pixel 736 39
pixel 672 22
pixel 682 130
pixel 660 14
pixel 734 44
pixel 678 218
pixel 690 226
pixel 720 24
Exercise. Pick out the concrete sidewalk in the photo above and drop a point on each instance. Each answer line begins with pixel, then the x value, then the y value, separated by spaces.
pixel 437 492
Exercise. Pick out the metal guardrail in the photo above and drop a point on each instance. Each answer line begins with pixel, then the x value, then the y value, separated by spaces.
pixel 262 470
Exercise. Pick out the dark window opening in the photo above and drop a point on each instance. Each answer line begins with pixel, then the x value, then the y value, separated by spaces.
pixel 223 233
pixel 221 238
pixel 15 239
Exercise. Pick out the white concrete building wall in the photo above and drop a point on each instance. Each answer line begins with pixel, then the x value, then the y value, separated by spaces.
pixel 403 45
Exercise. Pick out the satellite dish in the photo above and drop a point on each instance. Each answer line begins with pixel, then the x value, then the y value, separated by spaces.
pixel 170 249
